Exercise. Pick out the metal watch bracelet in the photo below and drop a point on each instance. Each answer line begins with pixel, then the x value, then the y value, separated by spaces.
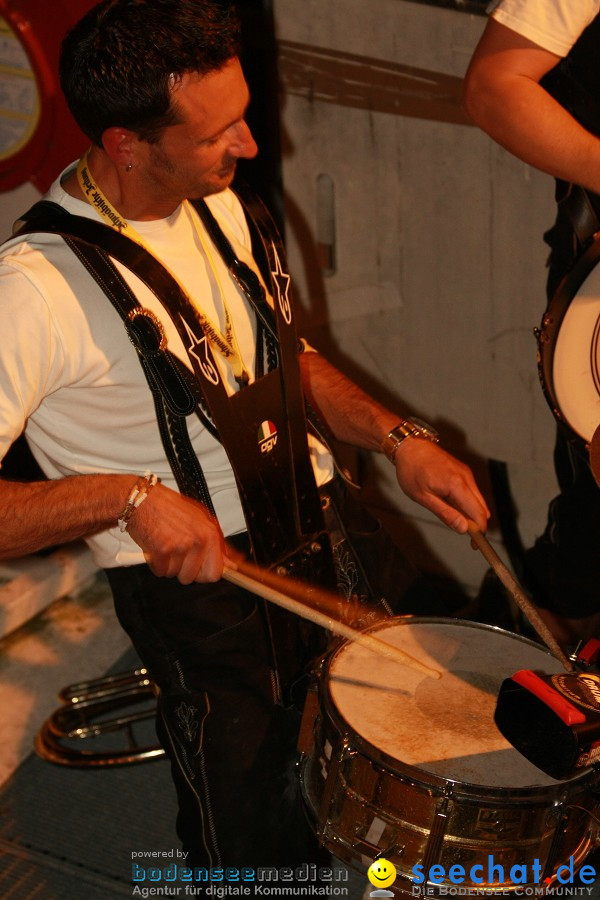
pixel 407 428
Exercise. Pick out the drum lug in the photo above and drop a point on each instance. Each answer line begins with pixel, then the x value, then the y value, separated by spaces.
pixel 306 735
pixel 555 817
pixel 436 835
pixel 335 764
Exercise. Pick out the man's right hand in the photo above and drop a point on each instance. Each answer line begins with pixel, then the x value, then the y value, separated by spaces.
pixel 179 537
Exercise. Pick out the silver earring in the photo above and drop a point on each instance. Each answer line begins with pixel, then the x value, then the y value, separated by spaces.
pixel 128 167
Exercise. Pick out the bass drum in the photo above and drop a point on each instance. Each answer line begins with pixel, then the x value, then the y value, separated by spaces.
pixel 569 348
pixel 412 768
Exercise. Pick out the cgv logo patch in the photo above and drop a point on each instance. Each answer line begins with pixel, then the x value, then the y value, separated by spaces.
pixel 267 436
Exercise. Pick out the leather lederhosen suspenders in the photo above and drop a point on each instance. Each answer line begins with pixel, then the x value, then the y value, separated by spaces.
pixel 263 426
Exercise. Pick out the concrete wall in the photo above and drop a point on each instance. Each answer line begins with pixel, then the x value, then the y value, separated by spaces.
pixel 439 272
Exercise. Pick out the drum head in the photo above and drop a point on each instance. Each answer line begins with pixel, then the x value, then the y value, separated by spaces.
pixel 442 726
pixel 576 363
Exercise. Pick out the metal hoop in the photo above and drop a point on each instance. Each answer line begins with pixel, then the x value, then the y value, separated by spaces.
pixel 83 715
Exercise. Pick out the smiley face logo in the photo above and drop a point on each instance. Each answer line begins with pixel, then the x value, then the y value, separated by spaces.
pixel 381 873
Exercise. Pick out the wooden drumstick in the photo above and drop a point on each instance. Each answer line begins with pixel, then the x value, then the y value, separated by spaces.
pixel 516 591
pixel 278 589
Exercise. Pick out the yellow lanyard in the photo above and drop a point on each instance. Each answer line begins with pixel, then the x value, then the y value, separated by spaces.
pixel 226 343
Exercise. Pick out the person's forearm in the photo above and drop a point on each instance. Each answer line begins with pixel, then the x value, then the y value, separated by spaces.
pixel 521 116
pixel 351 414
pixel 502 94
pixel 178 536
pixel 42 514
pixel 425 472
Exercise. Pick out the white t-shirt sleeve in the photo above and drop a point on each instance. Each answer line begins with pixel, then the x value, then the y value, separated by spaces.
pixel 32 356
pixel 554 25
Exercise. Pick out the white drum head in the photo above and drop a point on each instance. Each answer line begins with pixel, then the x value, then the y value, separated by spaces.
pixel 576 363
pixel 443 726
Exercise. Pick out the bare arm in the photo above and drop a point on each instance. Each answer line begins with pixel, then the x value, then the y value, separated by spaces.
pixel 41 514
pixel 425 472
pixel 178 536
pixel 502 95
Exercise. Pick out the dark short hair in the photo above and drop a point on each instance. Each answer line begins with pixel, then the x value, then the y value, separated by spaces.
pixel 119 63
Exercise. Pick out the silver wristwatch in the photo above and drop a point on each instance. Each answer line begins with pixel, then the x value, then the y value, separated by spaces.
pixel 407 428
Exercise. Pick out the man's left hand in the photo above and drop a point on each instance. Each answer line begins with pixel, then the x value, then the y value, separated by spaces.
pixel 442 484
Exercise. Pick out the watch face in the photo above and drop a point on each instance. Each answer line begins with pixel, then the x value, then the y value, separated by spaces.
pixel 425 428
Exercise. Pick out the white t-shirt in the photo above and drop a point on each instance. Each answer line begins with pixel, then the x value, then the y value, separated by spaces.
pixel 553 24
pixel 70 376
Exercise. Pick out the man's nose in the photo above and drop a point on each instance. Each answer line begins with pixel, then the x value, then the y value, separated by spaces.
pixel 243 144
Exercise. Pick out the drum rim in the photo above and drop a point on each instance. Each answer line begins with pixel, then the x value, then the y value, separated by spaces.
pixel 547 334
pixel 463 790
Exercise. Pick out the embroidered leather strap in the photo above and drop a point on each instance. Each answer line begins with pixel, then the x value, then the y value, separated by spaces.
pixel 266 500
pixel 172 385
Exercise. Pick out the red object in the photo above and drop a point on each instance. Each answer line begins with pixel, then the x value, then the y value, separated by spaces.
pixel 55 139
pixel 590 651
pixel 568 713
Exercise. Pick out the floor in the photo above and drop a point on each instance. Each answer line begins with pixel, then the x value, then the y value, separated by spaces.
pixel 67 833
pixel 70 833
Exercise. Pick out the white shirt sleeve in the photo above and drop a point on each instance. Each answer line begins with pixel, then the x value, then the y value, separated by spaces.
pixel 554 25
pixel 32 356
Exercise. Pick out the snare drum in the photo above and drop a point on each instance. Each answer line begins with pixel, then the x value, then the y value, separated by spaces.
pixel 569 347
pixel 414 768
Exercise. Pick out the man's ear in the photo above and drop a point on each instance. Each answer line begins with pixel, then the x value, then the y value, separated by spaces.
pixel 120 145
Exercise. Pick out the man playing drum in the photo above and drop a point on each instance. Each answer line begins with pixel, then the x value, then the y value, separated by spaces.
pixel 157 86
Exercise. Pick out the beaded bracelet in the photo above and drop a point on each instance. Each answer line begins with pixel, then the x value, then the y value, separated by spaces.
pixel 139 493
